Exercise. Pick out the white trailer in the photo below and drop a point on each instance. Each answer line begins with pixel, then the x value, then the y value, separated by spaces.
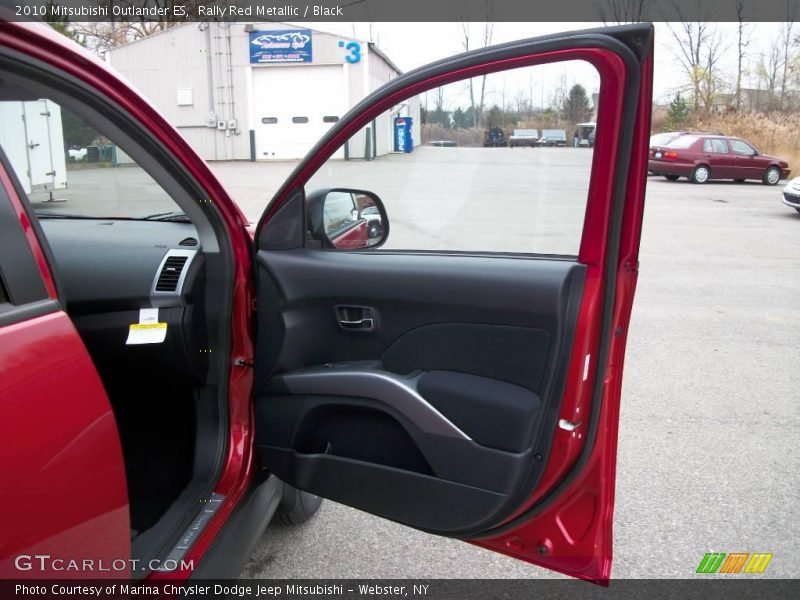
pixel 32 136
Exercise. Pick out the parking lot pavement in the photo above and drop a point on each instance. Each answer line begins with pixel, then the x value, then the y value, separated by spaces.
pixel 710 417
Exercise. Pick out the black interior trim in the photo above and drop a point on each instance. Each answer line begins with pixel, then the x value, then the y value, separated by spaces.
pixel 10 313
pixel 233 546
pixel 415 499
pixel 18 267
pixel 357 379
pixel 37 228
pixel 495 323
pixel 463 397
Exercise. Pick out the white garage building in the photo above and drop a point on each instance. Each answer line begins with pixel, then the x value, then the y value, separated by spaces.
pixel 261 91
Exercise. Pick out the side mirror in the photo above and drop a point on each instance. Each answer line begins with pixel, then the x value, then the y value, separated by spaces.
pixel 345 219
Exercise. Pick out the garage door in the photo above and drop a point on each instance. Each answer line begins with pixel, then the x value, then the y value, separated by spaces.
pixel 294 106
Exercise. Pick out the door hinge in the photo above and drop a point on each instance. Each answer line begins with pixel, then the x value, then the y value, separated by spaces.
pixel 243 362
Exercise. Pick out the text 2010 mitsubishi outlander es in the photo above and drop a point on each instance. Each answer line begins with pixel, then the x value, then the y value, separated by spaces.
pixel 171 378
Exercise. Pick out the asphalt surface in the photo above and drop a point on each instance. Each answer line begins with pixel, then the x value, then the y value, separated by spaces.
pixel 710 421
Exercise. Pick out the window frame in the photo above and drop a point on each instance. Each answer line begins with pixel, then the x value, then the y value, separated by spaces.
pixel 26 292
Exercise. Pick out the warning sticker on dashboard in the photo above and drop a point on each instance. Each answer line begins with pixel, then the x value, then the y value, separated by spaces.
pixel 147 333
pixel 148 330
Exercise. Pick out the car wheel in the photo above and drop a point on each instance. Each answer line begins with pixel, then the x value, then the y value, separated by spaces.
pixel 671 177
pixel 373 230
pixel 797 209
pixel 771 176
pixel 700 174
pixel 297 506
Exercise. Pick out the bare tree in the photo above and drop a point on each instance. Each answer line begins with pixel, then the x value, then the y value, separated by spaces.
pixel 743 42
pixel 485 40
pixel 710 80
pixel 787 41
pixel 522 105
pixel 697 48
pixel 769 69
pixel 622 11
pixel 438 98
pixel 465 43
pixel 102 36
pixel 560 95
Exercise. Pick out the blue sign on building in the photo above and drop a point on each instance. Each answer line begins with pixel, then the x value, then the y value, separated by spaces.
pixel 288 45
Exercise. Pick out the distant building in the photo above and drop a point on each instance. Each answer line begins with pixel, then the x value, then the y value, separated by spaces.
pixel 755 100
pixel 260 91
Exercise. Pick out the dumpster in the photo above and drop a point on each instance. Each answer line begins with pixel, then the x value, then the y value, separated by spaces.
pixel 98 154
pixel 403 141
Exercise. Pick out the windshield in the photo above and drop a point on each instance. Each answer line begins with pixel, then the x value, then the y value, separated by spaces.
pixel 69 169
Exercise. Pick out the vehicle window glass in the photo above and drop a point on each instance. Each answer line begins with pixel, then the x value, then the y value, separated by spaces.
pixel 715 146
pixel 330 119
pixel 69 169
pixel 3 293
pixel 450 179
pixel 299 119
pixel 338 212
pixel 740 147
pixel 684 141
pixel 720 146
pixel 269 120
pixel 662 139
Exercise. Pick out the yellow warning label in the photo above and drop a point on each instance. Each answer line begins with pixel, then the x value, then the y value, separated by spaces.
pixel 146 333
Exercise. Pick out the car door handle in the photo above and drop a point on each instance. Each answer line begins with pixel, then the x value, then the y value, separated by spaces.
pixel 356 318
pixel 358 324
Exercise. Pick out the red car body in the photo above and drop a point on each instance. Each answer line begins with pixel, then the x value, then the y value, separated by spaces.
pixel 354 238
pixel 66 492
pixel 703 157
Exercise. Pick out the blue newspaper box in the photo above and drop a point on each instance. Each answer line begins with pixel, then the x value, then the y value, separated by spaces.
pixel 402 135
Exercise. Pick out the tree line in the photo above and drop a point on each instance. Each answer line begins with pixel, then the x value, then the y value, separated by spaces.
pixel 575 107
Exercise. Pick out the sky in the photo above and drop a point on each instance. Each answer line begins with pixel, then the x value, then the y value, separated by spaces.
pixel 410 45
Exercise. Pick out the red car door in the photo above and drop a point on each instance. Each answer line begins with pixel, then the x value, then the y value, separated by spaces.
pixel 469 394
pixel 63 494
pixel 719 157
pixel 748 164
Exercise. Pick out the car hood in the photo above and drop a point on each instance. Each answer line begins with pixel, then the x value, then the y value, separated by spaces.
pixel 793 186
pixel 775 158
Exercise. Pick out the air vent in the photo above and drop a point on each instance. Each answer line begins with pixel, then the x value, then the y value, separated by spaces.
pixel 190 241
pixel 172 271
pixel 170 274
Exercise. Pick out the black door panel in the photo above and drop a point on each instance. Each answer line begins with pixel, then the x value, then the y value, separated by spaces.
pixel 441 414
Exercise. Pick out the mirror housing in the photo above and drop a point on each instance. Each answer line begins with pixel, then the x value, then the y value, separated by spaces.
pixel 345 219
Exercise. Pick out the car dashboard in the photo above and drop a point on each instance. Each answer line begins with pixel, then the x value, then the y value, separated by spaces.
pixel 110 269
